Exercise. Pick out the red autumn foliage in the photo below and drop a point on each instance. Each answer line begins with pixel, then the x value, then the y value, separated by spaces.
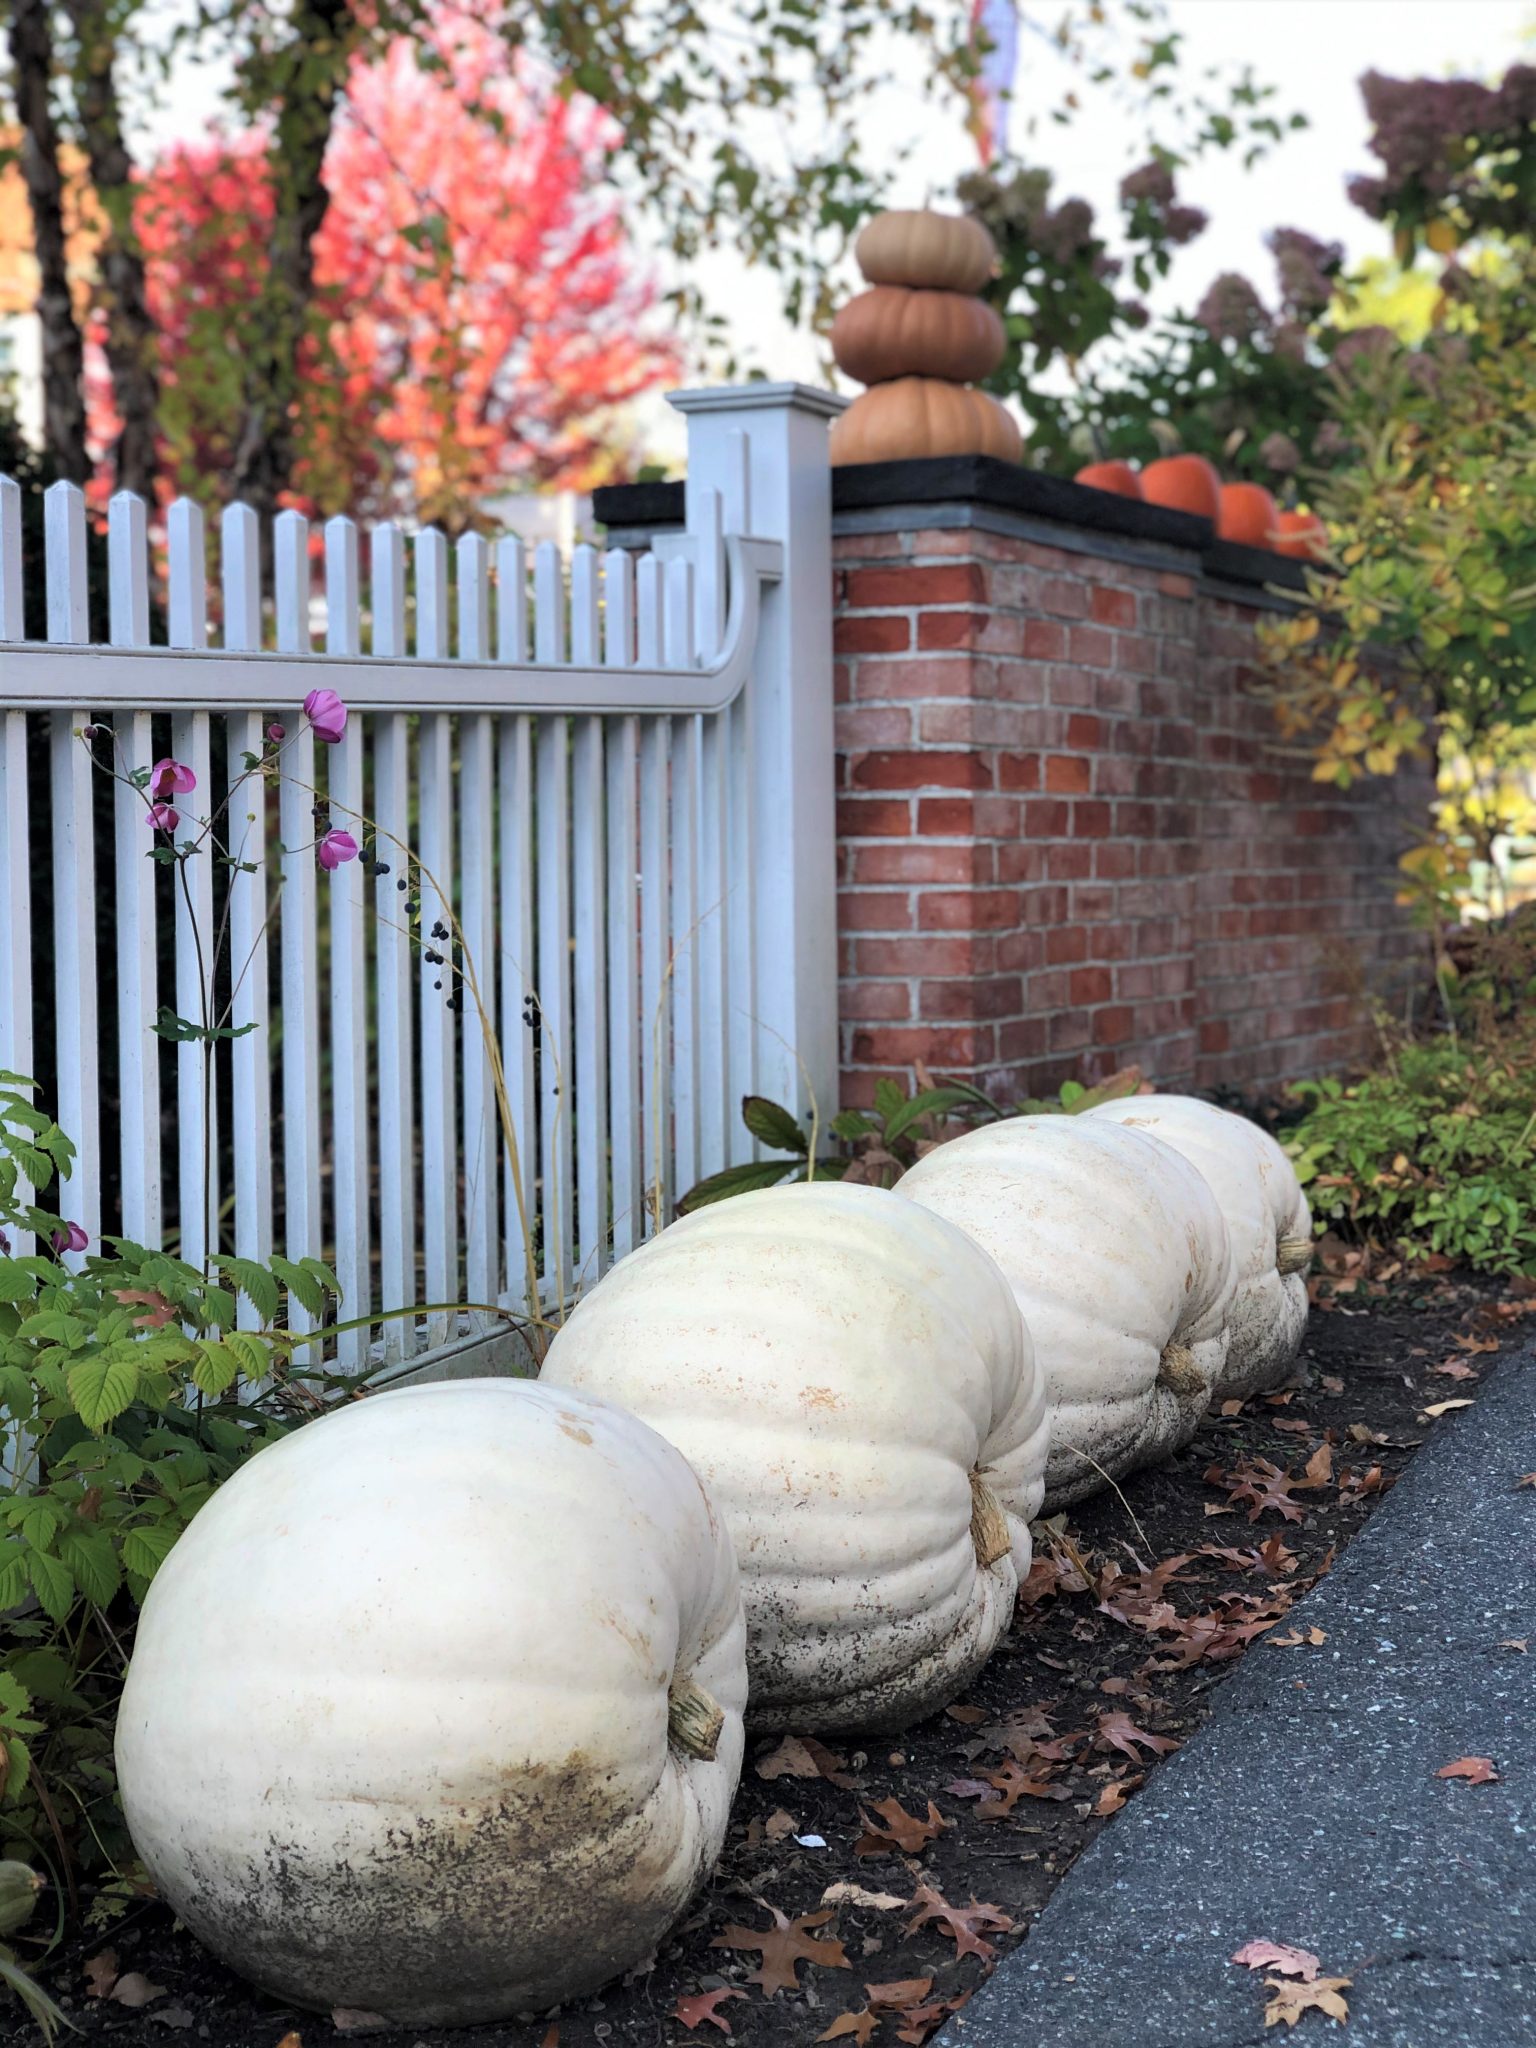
pixel 481 319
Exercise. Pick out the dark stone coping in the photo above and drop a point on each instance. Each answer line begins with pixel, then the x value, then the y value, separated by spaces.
pixel 1000 497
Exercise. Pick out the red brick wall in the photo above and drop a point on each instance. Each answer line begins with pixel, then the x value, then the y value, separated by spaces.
pixel 1068 838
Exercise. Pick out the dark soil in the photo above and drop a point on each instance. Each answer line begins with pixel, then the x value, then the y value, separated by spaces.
pixel 1023 1773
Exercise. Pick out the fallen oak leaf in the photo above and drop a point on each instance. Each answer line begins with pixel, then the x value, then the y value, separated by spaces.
pixel 1438 1408
pixel 1525 1479
pixel 898 1829
pixel 1290 2001
pixel 1115 1794
pixel 1477 1770
pixel 920 2020
pixel 960 1923
pixel 904 1991
pixel 704 2005
pixel 783 1947
pixel 1453 1369
pixel 779 1824
pixel 1118 1731
pixel 1520 1643
pixel 802 1756
pixel 1314 1637
pixel 857 2026
pixel 1278 1955
pixel 1014 1783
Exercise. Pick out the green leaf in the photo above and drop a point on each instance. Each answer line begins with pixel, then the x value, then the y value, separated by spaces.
pixel 937 1102
pixel 256 1284
pixel 102 1387
pixel 254 1355
pixel 16 1283
pixel 304 1287
pixel 738 1180
pixel 889 1097
pixel 13 1576
pixel 216 1367
pixel 850 1124
pixel 90 1556
pixel 53 1583
pixel 147 1545
pixel 55 1326
pixel 772 1124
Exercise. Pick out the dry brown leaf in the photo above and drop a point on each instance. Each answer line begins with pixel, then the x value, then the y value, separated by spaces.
pixel 1117 1731
pixel 962 1924
pixel 1331 1385
pixel 783 1946
pixel 898 1829
pixel 551 2039
pixel 1520 1643
pixel 296 2040
pixel 1289 2002
pixel 1477 1770
pixel 906 1991
pixel 855 2026
pixel 100 1973
pixel 1115 1794
pixel 1005 1788
pixel 802 1756
pixel 1453 1369
pixel 704 2005
pixel 779 1824
pixel 1314 1637
pixel 1439 1408
pixel 1525 1479
pixel 1278 1955
pixel 855 1895
pixel 968 1717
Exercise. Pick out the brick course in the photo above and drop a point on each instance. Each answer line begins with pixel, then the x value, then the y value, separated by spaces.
pixel 1068 838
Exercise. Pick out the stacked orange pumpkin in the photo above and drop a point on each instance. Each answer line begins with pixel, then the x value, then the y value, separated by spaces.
pixel 919 338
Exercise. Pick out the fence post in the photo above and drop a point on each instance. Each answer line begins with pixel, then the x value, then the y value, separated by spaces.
pixel 783 492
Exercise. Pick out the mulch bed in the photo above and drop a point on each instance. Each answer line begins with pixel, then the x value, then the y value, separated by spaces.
pixel 900 1872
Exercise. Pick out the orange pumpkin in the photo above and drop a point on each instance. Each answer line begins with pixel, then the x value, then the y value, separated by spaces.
pixel 1119 477
pixel 918 416
pixel 1301 536
pixel 1248 514
pixel 892 331
pixel 947 252
pixel 1183 483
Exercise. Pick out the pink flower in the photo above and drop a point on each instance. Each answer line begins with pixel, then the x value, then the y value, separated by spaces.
pixel 327 714
pixel 163 818
pixel 171 778
pixel 335 849
pixel 276 733
pixel 70 1239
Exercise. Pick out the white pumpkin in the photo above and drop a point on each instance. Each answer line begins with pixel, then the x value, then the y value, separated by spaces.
pixel 1267 1215
pixel 1118 1255
pixel 851 1378
pixel 435 1710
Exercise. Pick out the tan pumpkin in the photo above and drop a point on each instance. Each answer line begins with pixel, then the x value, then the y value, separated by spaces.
pixel 917 416
pixel 891 331
pixel 947 252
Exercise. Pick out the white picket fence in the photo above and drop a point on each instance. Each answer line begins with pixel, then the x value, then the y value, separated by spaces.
pixel 623 786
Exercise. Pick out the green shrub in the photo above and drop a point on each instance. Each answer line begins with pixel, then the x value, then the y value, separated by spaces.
pixel 1435 1150
pixel 131 1385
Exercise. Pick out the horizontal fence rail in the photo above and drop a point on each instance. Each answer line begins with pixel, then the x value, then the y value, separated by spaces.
pixel 459 992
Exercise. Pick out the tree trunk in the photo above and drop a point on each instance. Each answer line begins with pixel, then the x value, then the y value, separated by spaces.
pixel 31 41
pixel 306 78
pixel 122 292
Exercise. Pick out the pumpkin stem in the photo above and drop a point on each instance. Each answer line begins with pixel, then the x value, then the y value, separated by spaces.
pixel 1177 1370
pixel 989 1525
pixel 694 1719
pixel 1293 1255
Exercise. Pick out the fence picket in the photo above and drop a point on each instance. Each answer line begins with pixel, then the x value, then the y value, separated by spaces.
pixel 138 1049
pixel 344 812
pixel 392 946
pixel 440 1151
pixel 477 916
pixel 553 891
pixel 589 1016
pixel 677 649
pixel 621 816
